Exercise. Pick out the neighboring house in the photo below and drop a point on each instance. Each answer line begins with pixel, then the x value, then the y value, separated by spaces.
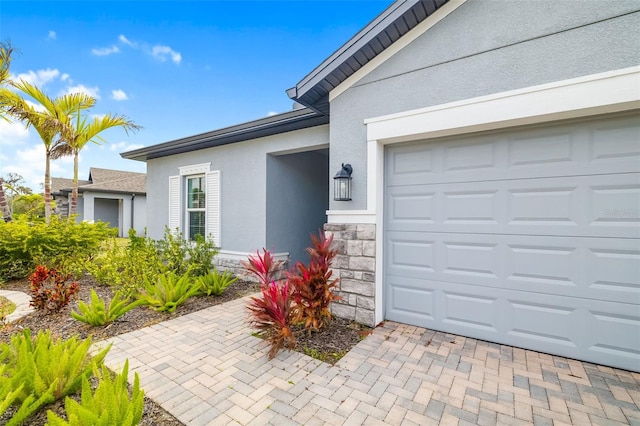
pixel 113 196
pixel 496 174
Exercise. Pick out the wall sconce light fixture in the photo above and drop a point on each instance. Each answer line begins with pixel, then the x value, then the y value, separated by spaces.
pixel 342 183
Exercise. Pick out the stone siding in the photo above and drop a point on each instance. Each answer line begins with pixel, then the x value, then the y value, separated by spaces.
pixel 355 265
pixel 234 265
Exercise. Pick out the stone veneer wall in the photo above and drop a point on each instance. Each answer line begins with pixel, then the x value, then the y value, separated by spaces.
pixel 226 264
pixel 355 266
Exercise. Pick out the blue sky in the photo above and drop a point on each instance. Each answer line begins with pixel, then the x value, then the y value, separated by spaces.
pixel 177 68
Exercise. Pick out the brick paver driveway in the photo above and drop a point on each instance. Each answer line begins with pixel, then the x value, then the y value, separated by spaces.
pixel 205 368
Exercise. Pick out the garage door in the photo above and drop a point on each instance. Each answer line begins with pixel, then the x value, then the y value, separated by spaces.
pixel 528 237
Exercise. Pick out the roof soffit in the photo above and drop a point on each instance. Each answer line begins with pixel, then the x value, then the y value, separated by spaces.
pixel 362 49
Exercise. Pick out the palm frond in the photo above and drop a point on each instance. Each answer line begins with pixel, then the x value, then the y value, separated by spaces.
pixel 90 131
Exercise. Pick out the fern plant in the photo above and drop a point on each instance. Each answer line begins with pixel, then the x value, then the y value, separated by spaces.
pixel 97 314
pixel 168 292
pixel 42 370
pixel 215 282
pixel 110 404
pixel 10 392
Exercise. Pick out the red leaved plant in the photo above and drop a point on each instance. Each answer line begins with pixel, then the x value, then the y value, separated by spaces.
pixel 270 314
pixel 49 289
pixel 313 286
pixel 262 266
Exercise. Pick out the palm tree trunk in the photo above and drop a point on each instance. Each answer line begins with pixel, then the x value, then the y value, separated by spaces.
pixel 74 191
pixel 4 208
pixel 47 188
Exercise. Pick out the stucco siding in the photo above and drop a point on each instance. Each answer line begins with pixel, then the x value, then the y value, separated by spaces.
pixel 481 48
pixel 297 199
pixel 243 168
pixel 139 214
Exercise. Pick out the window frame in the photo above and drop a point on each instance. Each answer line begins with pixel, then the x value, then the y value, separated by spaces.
pixel 188 210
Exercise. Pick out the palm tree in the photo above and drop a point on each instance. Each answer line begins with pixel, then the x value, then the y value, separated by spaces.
pixel 78 135
pixel 48 123
pixel 5 61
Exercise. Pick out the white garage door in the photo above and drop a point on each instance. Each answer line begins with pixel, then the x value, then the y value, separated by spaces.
pixel 528 237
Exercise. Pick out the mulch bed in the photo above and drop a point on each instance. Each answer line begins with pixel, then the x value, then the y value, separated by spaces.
pixel 329 345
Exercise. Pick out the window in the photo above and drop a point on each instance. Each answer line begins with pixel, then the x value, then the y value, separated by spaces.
pixel 196 214
pixel 194 202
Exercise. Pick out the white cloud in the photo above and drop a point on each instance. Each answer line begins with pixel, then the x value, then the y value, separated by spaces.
pixel 161 53
pixel 40 77
pixel 125 40
pixel 271 113
pixel 119 95
pixel 81 88
pixel 65 77
pixel 29 163
pixel 12 133
pixel 105 51
pixel 122 39
pixel 123 146
pixel 52 35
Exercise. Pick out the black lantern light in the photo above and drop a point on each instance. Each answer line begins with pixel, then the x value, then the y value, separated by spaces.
pixel 342 183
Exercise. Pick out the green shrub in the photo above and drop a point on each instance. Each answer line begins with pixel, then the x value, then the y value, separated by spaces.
pixel 110 404
pixel 50 291
pixel 42 370
pixel 168 292
pixel 23 244
pixel 180 255
pixel 126 268
pixel 144 259
pixel 97 314
pixel 215 282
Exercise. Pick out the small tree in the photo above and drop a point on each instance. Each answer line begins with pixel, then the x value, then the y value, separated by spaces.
pixel 6 52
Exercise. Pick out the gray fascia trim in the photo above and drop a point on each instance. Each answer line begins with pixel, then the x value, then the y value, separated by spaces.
pixel 364 36
pixel 268 126
pixel 104 191
pixel 301 92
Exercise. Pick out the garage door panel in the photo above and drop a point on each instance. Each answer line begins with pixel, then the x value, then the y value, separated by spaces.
pixel 615 141
pixel 596 268
pixel 542 147
pixel 615 205
pixel 583 148
pixel 614 333
pixel 410 300
pixel 566 326
pixel 472 311
pixel 591 206
pixel 615 270
pixel 471 156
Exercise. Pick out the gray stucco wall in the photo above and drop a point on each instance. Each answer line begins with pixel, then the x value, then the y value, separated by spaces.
pixel 484 47
pixel 139 214
pixel 297 199
pixel 243 168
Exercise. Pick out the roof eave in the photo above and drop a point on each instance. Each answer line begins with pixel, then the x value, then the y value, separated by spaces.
pixel 281 123
pixel 315 86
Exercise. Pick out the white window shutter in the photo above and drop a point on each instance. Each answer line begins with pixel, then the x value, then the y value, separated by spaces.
pixel 174 203
pixel 213 207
